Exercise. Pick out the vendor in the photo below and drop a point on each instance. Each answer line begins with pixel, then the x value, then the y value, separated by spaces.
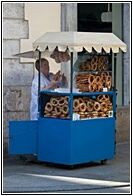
pixel 47 81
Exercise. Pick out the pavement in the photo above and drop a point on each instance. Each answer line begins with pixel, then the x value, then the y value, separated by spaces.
pixel 39 178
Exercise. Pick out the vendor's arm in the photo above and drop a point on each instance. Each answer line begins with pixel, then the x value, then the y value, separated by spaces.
pixel 63 81
pixel 53 83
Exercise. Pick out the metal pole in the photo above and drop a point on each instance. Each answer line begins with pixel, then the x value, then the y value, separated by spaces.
pixel 39 72
pixel 115 60
pixel 71 74
pixel 114 99
pixel 39 84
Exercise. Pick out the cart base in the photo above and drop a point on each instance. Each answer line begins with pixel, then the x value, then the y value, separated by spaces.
pixel 76 142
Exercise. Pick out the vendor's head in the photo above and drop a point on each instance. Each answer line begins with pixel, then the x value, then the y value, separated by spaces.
pixel 44 66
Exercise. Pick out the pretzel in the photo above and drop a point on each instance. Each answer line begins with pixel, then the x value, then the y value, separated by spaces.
pixel 82 107
pixel 66 98
pixel 54 101
pixel 82 116
pixel 62 101
pixel 58 110
pixel 65 109
pixel 102 98
pixel 65 57
pixel 86 99
pixel 57 59
pixel 110 107
pixel 89 106
pixel 91 78
pixel 94 114
pixel 108 79
pixel 54 54
pixel 60 56
pixel 109 84
pixel 98 87
pixel 100 66
pixel 85 88
pixel 92 87
pixel 47 114
pixel 97 106
pixel 107 73
pixel 80 100
pixel 76 104
pixel 105 60
pixel 57 76
pixel 81 66
pixel 48 107
pixel 104 107
pixel 88 65
pixel 98 79
pixel 103 74
pixel 105 67
pixel 94 62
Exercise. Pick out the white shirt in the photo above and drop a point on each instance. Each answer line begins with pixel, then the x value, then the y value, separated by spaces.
pixel 34 93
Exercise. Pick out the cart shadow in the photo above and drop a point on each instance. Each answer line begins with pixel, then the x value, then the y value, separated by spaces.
pixel 73 167
pixel 33 161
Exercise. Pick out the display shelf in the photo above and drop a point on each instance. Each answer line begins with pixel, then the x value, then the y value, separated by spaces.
pixel 77 94
pixel 95 72
pixel 46 96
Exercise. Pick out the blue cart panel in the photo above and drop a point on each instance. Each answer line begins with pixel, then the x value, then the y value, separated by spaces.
pixel 74 142
pixel 23 137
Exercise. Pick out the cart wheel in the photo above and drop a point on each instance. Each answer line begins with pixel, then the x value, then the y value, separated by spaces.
pixel 22 158
pixel 103 162
pixel 70 166
pixel 49 164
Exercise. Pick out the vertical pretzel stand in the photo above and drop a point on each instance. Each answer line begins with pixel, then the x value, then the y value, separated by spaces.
pixel 77 137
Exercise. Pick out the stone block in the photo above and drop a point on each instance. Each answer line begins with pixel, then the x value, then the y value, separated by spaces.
pixel 10 47
pixel 15 73
pixel 16 98
pixel 13 10
pixel 13 116
pixel 123 124
pixel 15 29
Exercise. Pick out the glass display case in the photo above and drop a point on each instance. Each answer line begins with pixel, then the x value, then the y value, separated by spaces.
pixel 91 96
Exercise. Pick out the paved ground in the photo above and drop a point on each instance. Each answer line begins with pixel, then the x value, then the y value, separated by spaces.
pixel 113 177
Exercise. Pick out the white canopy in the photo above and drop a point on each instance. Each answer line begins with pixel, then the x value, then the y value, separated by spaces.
pixel 33 54
pixel 76 41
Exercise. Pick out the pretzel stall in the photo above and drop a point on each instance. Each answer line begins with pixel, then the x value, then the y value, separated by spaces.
pixel 77 123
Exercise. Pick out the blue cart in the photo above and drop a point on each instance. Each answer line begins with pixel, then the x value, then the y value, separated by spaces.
pixel 66 140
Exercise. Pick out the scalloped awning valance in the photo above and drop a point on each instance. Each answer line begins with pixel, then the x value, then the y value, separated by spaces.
pixel 77 41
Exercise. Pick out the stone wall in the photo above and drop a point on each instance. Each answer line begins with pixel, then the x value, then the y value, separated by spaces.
pixel 17 77
pixel 126 56
pixel 123 124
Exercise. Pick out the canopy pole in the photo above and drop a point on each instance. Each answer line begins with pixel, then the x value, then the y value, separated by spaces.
pixel 115 61
pixel 71 74
pixel 39 72
pixel 39 84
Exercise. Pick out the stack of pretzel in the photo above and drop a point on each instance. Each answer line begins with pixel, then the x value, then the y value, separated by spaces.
pixel 57 107
pixel 93 82
pixel 96 64
pixel 60 56
pixel 90 108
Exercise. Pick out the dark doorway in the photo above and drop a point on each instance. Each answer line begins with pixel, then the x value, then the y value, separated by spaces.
pixel 89 17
